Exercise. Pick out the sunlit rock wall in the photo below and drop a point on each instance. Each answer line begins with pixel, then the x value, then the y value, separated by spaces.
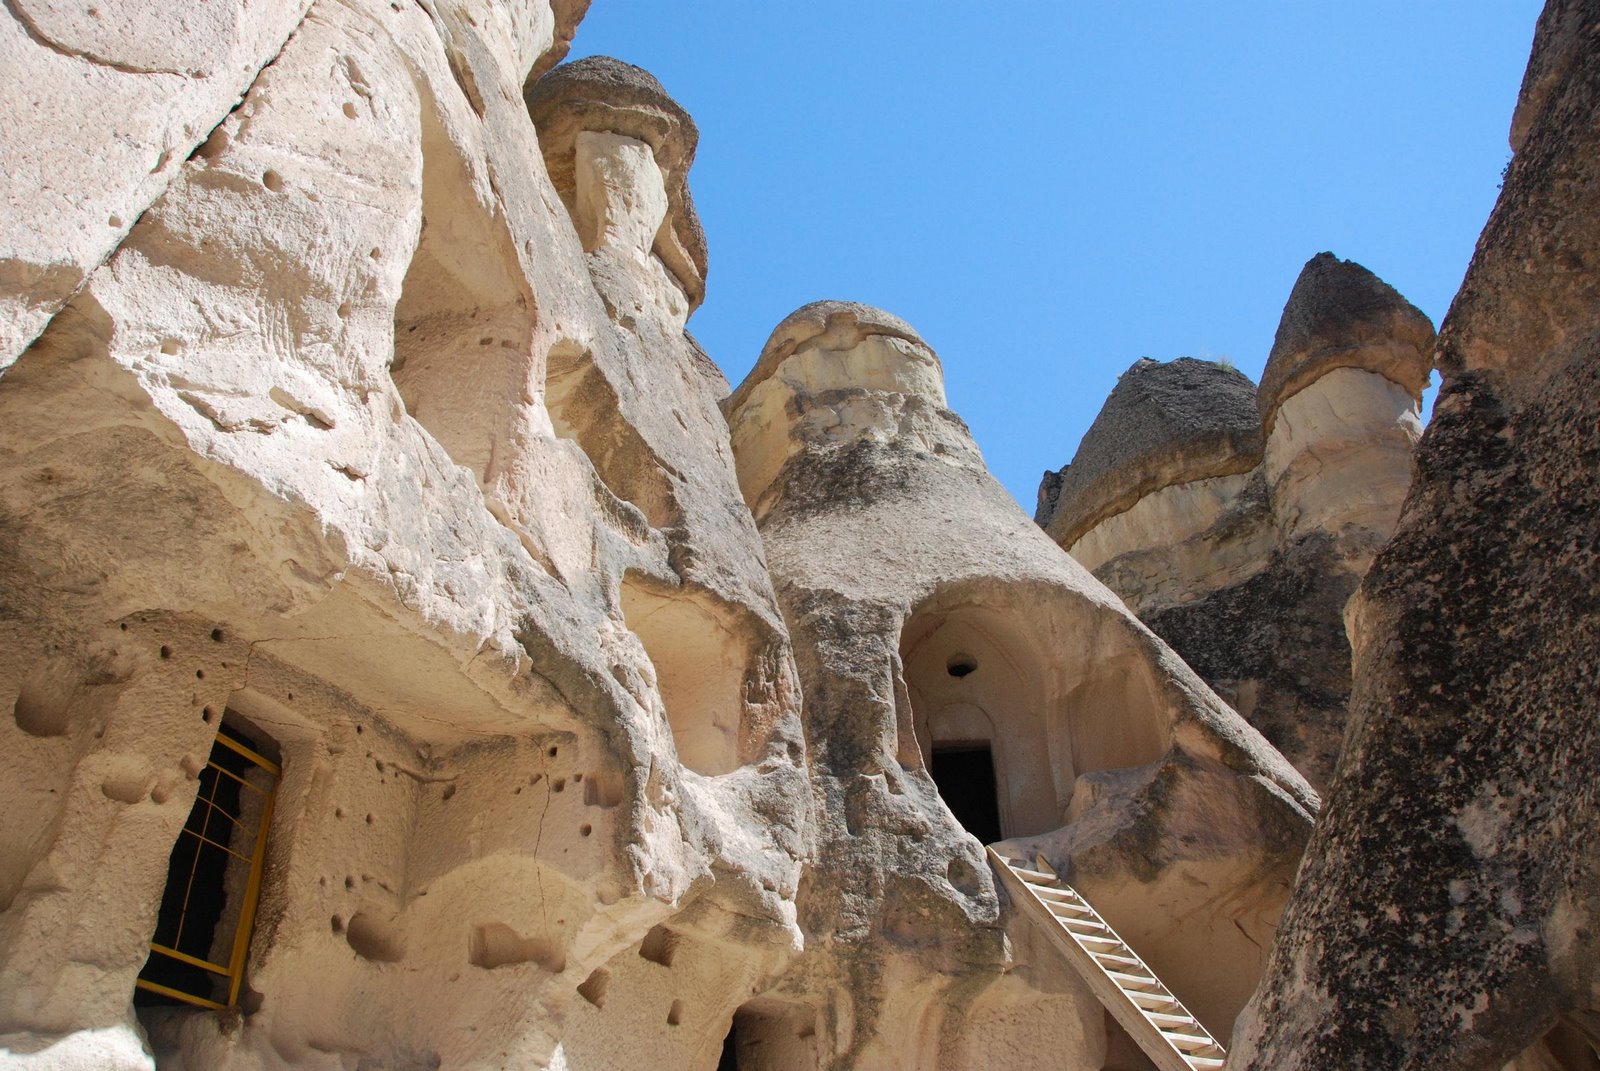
pixel 339 430
pixel 1445 913
pixel 927 612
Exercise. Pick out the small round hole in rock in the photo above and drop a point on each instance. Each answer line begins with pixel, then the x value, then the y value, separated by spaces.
pixel 272 181
pixel 675 1013
pixel 216 635
pixel 586 829
pixel 166 652
pixel 960 665
pixel 349 110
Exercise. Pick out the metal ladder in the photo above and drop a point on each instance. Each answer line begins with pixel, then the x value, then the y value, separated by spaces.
pixel 1131 992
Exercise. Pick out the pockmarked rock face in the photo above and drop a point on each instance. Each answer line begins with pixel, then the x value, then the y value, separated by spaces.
pixel 342 449
pixel 931 619
pixel 1236 523
pixel 1444 915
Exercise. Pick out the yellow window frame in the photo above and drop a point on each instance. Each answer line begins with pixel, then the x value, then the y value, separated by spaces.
pixel 233 970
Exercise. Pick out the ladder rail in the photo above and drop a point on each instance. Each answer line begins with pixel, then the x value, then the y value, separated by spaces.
pixel 1140 1022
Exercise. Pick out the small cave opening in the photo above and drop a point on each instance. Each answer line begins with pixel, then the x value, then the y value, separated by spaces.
pixel 964 774
pixel 960 665
pixel 699 652
pixel 771 1035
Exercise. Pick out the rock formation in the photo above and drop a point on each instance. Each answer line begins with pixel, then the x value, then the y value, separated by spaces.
pixel 1444 916
pixel 1237 523
pixel 417 658
pixel 345 447
pixel 396 673
pixel 929 614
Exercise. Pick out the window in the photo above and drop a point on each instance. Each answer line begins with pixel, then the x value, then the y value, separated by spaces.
pixel 197 954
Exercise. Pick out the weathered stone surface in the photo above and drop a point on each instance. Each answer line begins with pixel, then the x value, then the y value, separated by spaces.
pixel 601 94
pixel 369 425
pixel 161 76
pixel 327 445
pixel 1444 914
pixel 1339 403
pixel 926 610
pixel 1163 424
pixel 1246 571
pixel 1340 315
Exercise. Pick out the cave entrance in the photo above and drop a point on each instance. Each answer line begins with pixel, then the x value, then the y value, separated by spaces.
pixel 964 773
pixel 771 1035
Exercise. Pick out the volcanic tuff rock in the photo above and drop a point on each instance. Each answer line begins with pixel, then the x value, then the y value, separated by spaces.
pixel 1237 523
pixel 1452 883
pixel 599 94
pixel 343 446
pixel 928 612
pixel 347 404
pixel 1163 424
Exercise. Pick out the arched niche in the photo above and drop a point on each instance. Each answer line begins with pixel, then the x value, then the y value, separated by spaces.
pixel 1053 685
pixel 701 653
pixel 976 683
pixel 464 324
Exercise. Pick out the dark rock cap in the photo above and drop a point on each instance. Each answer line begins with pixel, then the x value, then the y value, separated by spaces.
pixel 1163 424
pixel 809 321
pixel 1340 315
pixel 601 93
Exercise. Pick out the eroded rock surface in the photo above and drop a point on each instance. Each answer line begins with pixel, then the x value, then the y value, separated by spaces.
pixel 1237 523
pixel 342 447
pixel 929 614
pixel 1444 915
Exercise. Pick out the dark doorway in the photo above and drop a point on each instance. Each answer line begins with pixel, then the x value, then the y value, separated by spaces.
pixel 730 1049
pixel 965 776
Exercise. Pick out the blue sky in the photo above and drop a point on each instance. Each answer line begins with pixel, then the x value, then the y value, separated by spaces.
pixel 1050 190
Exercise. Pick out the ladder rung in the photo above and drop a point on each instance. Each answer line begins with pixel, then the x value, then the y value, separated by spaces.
pixel 1125 980
pixel 1112 957
pixel 1203 1063
pixel 1025 874
pixel 1159 999
pixel 1188 1042
pixel 1072 911
pixel 1087 939
pixel 1055 893
pixel 1167 1021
